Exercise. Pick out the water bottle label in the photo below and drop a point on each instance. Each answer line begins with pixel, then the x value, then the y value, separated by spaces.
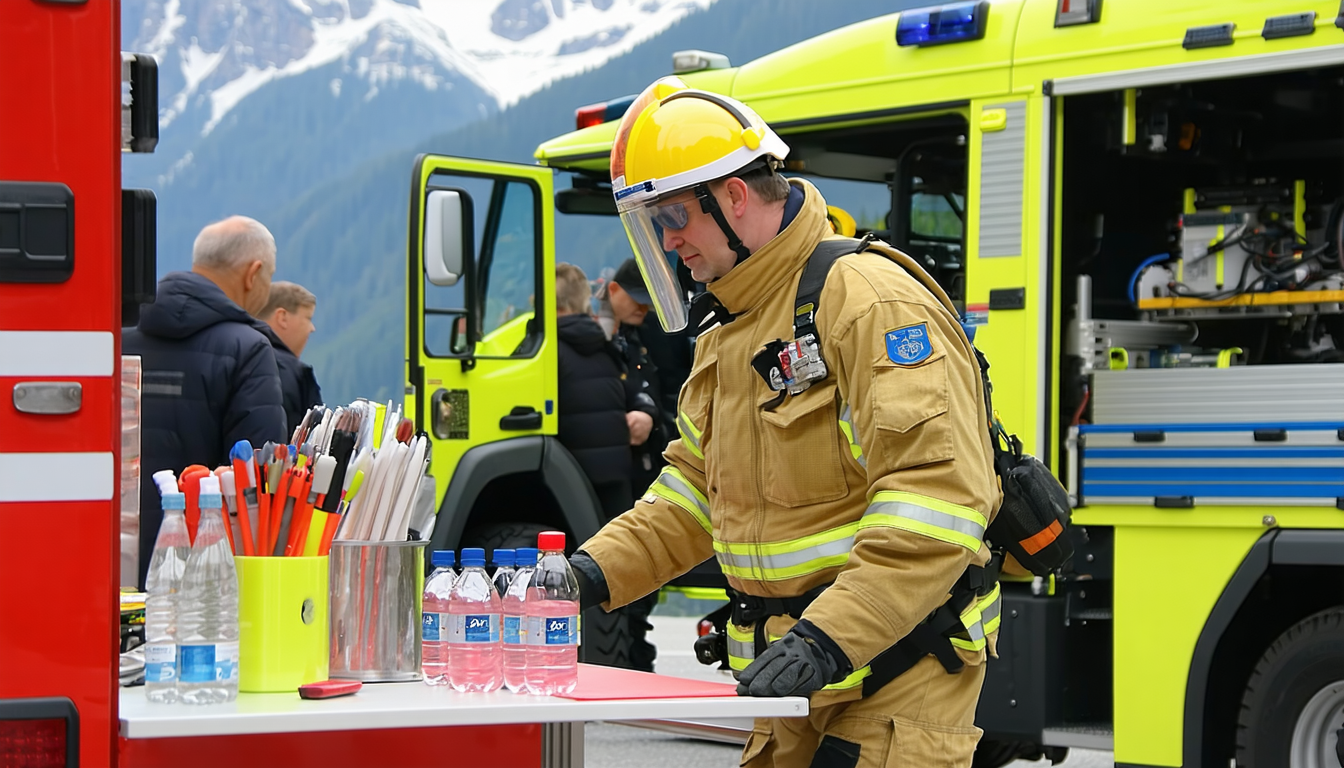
pixel 226 661
pixel 216 662
pixel 434 627
pixel 474 628
pixel 160 663
pixel 553 630
pixel 513 630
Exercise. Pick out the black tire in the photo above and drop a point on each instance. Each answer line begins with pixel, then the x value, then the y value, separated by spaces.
pixel 605 637
pixel 1283 698
pixel 503 536
pixel 991 753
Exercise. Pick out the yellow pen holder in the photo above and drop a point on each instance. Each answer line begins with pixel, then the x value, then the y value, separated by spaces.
pixel 282 622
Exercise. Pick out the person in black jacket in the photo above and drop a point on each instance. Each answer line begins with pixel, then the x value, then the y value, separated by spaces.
pixel 599 418
pixel 209 377
pixel 289 313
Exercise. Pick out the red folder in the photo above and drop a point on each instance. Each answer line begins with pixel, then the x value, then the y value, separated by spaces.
pixel 606 683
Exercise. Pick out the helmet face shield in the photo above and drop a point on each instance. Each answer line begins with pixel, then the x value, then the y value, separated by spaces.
pixel 647 242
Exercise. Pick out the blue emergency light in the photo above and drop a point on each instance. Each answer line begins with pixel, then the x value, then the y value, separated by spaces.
pixel 952 23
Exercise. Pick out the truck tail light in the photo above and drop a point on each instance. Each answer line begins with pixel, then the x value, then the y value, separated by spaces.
pixel 39 733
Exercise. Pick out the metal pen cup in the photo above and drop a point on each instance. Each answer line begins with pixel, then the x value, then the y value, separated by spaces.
pixel 376 589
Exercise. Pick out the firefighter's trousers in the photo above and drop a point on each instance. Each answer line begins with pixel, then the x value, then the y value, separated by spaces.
pixel 923 719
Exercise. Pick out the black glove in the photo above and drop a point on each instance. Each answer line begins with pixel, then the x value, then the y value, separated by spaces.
pixel 798 664
pixel 593 590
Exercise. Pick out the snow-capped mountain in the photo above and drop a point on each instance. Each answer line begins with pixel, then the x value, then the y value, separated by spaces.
pixel 214 54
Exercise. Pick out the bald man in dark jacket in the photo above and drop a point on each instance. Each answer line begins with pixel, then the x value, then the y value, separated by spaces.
pixel 209 373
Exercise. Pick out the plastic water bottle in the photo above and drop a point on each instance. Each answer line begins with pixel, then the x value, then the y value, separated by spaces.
pixel 514 636
pixel 207 623
pixel 434 618
pixel 552 610
pixel 162 587
pixel 503 560
pixel 474 610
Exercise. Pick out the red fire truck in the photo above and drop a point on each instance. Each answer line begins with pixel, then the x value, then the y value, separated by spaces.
pixel 72 105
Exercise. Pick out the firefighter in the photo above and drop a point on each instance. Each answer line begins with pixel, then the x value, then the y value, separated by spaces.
pixel 847 510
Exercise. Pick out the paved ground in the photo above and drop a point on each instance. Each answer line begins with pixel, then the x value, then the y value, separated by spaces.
pixel 617 746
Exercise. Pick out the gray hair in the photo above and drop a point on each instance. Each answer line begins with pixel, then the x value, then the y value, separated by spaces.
pixel 232 243
pixel 572 293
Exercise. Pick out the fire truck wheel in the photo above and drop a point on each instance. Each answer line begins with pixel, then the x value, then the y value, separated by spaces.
pixel 991 753
pixel 1292 714
pixel 605 637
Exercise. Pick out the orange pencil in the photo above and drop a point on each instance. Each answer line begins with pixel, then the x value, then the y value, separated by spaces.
pixel 244 523
pixel 276 512
pixel 298 521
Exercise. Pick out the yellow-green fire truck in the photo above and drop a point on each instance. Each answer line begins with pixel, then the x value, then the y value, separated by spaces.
pixel 1138 205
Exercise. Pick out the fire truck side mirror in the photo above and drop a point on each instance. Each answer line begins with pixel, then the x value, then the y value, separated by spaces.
pixel 139 249
pixel 139 102
pixel 448 237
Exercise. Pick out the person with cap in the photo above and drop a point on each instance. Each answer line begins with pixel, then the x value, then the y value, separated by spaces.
pixel 835 458
pixel 625 299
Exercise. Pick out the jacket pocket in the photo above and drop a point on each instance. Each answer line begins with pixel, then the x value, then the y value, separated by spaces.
pixel 802 451
pixel 916 744
pixel 910 411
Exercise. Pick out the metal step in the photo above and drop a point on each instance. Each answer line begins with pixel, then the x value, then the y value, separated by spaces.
pixel 1081 735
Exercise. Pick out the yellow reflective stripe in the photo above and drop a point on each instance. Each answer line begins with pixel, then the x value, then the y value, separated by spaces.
pixel 847 427
pixel 991 610
pixel 689 434
pixel 855 678
pixel 980 619
pixel 783 574
pixel 673 486
pixel 787 546
pixel 924 515
pixel 741 647
pixel 742 651
pixel 780 560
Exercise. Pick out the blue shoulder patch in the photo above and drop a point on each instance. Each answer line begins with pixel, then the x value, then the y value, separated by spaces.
pixel 909 345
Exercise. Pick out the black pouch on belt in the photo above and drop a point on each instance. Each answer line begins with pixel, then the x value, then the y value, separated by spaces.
pixel 1031 525
pixel 1035 513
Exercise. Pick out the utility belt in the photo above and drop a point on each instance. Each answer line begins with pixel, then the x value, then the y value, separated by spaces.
pixel 965 621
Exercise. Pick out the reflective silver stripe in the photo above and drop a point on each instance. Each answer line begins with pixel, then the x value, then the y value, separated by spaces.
pixel 847 426
pixel 928 516
pixel 56 353
pixel 741 649
pixel 56 476
pixel 786 559
pixel 989 615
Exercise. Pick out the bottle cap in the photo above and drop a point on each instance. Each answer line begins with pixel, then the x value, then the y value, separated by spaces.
pixel 502 558
pixel 473 557
pixel 442 558
pixel 174 501
pixel 551 541
pixel 209 495
pixel 525 557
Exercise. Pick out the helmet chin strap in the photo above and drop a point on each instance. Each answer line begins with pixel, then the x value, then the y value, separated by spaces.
pixel 709 204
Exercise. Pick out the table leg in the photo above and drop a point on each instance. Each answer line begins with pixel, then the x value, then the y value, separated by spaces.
pixel 562 745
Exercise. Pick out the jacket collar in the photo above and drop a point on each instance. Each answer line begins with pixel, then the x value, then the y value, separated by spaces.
pixel 771 267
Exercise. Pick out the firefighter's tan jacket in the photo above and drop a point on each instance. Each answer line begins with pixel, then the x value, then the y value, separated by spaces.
pixel 878 478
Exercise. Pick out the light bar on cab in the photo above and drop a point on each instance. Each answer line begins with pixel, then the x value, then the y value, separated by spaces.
pixel 603 112
pixel 952 23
